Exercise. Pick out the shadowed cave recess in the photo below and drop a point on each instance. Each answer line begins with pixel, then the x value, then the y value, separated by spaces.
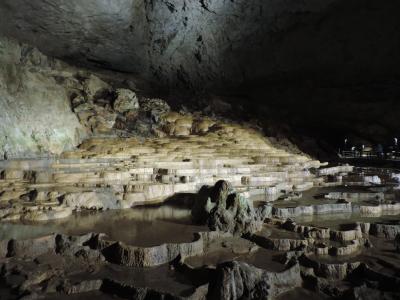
pixel 205 149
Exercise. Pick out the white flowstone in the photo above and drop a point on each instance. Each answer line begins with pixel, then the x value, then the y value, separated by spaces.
pixel 91 200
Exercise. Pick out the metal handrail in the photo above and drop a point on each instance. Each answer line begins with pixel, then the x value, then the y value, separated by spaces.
pixel 369 155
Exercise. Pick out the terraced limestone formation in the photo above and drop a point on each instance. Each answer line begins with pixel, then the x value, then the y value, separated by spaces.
pixel 156 150
pixel 117 173
pixel 148 252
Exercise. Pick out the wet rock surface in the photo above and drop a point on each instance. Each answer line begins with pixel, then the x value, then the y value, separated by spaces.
pixel 343 259
pixel 110 191
pixel 177 153
pixel 225 210
pixel 28 90
pixel 236 280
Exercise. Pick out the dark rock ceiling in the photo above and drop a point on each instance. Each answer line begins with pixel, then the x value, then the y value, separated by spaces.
pixel 325 69
pixel 216 43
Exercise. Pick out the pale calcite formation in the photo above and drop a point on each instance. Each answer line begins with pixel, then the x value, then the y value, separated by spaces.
pixel 113 173
pixel 35 114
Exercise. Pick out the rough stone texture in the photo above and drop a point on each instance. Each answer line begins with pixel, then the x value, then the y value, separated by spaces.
pixel 126 101
pixel 93 86
pixel 387 283
pixel 31 248
pixel 92 200
pixel 48 106
pixel 213 42
pixel 307 231
pixel 331 55
pixel 238 280
pixel 345 242
pixel 153 256
pixel 312 209
pixel 397 242
pixel 329 271
pixel 347 235
pixel 339 261
pixel 365 293
pixel 28 92
pixel 81 287
pixel 225 210
pixel 115 173
pixel 282 244
pixel 388 231
pixel 156 108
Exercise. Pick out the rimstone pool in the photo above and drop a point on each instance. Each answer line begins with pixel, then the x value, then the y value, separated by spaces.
pixel 335 243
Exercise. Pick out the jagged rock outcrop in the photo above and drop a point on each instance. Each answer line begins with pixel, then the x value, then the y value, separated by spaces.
pixel 35 114
pixel 388 231
pixel 122 254
pixel 48 106
pixel 225 210
pixel 238 280
pixel 126 101
pixel 342 260
pixel 331 271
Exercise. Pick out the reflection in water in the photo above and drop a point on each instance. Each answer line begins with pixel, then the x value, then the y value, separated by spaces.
pixel 264 259
pixel 315 196
pixel 171 222
pixel 143 226
pixel 358 194
pixel 261 258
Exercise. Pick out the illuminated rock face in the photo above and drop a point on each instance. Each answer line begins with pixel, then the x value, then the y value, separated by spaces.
pixel 227 211
pixel 210 43
pixel 35 114
pixel 330 56
pixel 135 150
pixel 117 173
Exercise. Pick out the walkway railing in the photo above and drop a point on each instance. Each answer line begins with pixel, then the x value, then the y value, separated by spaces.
pixel 353 154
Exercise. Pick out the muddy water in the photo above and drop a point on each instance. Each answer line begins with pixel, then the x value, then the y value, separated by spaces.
pixel 145 226
pixel 264 259
pixel 277 233
pixel 261 258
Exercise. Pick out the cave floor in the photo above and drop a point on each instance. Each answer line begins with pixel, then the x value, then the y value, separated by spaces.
pixel 114 219
pixel 61 276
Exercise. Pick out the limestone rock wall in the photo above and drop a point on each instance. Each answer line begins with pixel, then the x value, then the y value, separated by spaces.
pixel 215 42
pixel 35 114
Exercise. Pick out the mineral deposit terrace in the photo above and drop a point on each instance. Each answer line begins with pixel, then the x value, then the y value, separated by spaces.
pixel 199 150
